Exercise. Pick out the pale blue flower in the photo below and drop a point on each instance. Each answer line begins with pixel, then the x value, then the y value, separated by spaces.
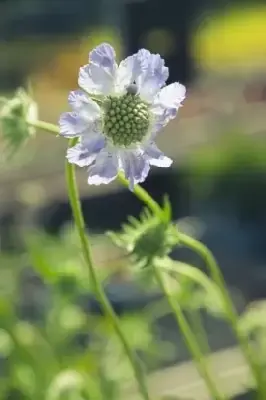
pixel 117 114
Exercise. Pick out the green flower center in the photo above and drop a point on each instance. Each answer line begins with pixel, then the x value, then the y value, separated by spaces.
pixel 126 120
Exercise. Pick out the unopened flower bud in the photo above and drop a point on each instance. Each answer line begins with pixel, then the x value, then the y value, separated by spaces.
pixel 15 118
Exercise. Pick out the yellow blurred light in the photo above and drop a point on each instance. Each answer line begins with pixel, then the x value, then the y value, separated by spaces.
pixel 62 72
pixel 237 38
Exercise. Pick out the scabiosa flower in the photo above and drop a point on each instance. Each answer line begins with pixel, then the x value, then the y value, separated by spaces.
pixel 117 114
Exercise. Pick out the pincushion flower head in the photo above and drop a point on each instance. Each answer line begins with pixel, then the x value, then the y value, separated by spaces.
pixel 117 114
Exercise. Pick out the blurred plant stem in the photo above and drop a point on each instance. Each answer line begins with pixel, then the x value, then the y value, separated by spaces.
pixel 185 241
pixel 189 337
pixel 206 255
pixel 46 126
pixel 87 254
pixel 198 327
pixel 97 286
pixel 229 307
pixel 141 194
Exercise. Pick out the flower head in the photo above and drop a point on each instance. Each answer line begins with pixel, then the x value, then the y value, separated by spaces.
pixel 15 116
pixel 117 114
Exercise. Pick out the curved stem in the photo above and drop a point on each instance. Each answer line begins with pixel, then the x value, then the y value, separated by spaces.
pixel 198 327
pixel 230 310
pixel 141 194
pixel 217 276
pixel 189 338
pixel 184 239
pixel 99 291
pixel 46 126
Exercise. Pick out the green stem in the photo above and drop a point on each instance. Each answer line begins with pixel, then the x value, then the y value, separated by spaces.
pixel 99 291
pixel 198 327
pixel 217 276
pixel 186 331
pixel 142 195
pixel 186 241
pixel 230 310
pixel 46 126
pixel 191 342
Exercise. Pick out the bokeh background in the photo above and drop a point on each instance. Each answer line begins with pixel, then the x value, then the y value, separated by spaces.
pixel 217 184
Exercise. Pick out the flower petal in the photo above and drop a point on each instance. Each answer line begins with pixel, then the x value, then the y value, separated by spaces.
pixel 149 89
pixel 85 152
pixel 71 125
pixel 159 121
pixel 144 68
pixel 131 69
pixel 95 80
pixel 105 168
pixel 135 165
pixel 84 105
pixel 166 105
pixel 154 78
pixel 156 157
pixel 171 96
pixel 158 69
pixel 104 56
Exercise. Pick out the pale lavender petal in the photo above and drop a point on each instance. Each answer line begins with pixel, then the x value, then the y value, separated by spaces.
pixel 159 121
pixel 95 80
pixel 166 105
pixel 84 105
pixel 131 69
pixel 135 166
pixel 105 168
pixel 84 153
pixel 80 156
pixel 104 56
pixel 154 78
pixel 156 157
pixel 71 125
pixel 170 97
pixel 158 69
pixel 124 75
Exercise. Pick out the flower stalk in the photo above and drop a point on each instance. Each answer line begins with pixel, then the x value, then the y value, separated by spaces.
pixel 87 254
pixel 79 221
pixel 189 337
pixel 217 277
pixel 229 308
pixel 98 289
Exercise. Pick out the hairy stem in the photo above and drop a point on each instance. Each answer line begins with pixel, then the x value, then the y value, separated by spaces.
pixel 99 291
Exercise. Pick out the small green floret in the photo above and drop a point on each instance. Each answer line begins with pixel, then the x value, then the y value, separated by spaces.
pixel 126 120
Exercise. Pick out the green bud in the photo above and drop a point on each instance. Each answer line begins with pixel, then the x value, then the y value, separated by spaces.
pixel 15 116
